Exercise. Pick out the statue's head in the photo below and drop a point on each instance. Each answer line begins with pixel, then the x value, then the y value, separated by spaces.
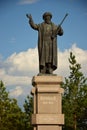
pixel 47 17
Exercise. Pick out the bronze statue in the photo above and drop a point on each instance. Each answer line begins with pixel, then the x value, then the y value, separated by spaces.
pixel 47 42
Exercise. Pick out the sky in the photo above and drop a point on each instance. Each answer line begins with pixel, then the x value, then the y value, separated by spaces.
pixel 18 41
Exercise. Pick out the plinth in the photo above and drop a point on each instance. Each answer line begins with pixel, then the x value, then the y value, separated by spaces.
pixel 47 94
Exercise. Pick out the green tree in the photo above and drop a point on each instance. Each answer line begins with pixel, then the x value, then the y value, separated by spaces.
pixel 4 104
pixel 11 116
pixel 75 97
pixel 28 108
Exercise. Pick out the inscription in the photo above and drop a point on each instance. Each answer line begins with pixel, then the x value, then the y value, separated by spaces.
pixel 48 99
pixel 48 118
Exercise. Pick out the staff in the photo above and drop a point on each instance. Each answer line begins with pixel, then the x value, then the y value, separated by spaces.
pixel 55 34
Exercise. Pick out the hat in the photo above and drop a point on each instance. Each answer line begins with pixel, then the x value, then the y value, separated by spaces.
pixel 47 14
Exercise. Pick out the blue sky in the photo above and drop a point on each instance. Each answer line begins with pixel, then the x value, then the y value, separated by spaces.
pixel 16 35
pixel 18 41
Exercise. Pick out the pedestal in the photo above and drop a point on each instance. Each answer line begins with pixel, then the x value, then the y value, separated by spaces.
pixel 47 103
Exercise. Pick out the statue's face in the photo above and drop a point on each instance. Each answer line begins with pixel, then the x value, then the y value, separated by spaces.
pixel 47 19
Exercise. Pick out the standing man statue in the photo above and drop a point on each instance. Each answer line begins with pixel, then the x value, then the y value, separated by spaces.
pixel 47 43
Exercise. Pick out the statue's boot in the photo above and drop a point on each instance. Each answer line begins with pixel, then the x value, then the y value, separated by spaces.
pixel 43 70
pixel 49 69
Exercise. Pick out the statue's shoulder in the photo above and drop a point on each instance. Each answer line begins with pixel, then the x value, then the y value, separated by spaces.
pixel 53 24
pixel 41 25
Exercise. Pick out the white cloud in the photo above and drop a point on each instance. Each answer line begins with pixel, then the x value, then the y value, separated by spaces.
pixel 18 69
pixel 27 1
pixel 11 80
pixel 16 92
pixel 24 63
pixel 63 65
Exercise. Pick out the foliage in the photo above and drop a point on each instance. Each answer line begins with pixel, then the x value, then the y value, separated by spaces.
pixel 28 107
pixel 10 114
pixel 75 97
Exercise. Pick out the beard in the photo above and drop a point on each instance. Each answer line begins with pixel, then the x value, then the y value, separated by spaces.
pixel 48 21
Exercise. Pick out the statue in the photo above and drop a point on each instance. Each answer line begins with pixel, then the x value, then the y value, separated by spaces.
pixel 47 42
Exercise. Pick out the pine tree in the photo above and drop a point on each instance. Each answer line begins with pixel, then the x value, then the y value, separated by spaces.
pixel 11 116
pixel 75 97
pixel 4 105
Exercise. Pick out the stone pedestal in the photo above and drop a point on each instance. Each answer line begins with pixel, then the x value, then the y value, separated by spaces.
pixel 47 103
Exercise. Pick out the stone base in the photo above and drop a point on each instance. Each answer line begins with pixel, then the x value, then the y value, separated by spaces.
pixel 47 103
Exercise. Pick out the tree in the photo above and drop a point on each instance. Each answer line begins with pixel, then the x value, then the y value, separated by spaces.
pixel 28 108
pixel 4 104
pixel 75 97
pixel 11 116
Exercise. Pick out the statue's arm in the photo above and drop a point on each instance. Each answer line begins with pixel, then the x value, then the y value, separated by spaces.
pixel 31 22
pixel 57 30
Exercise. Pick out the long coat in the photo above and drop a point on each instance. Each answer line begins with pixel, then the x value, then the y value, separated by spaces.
pixel 47 46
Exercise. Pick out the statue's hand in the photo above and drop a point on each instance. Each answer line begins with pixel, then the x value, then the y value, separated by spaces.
pixel 59 28
pixel 29 16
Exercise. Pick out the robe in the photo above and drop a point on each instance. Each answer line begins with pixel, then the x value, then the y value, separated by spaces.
pixel 47 46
